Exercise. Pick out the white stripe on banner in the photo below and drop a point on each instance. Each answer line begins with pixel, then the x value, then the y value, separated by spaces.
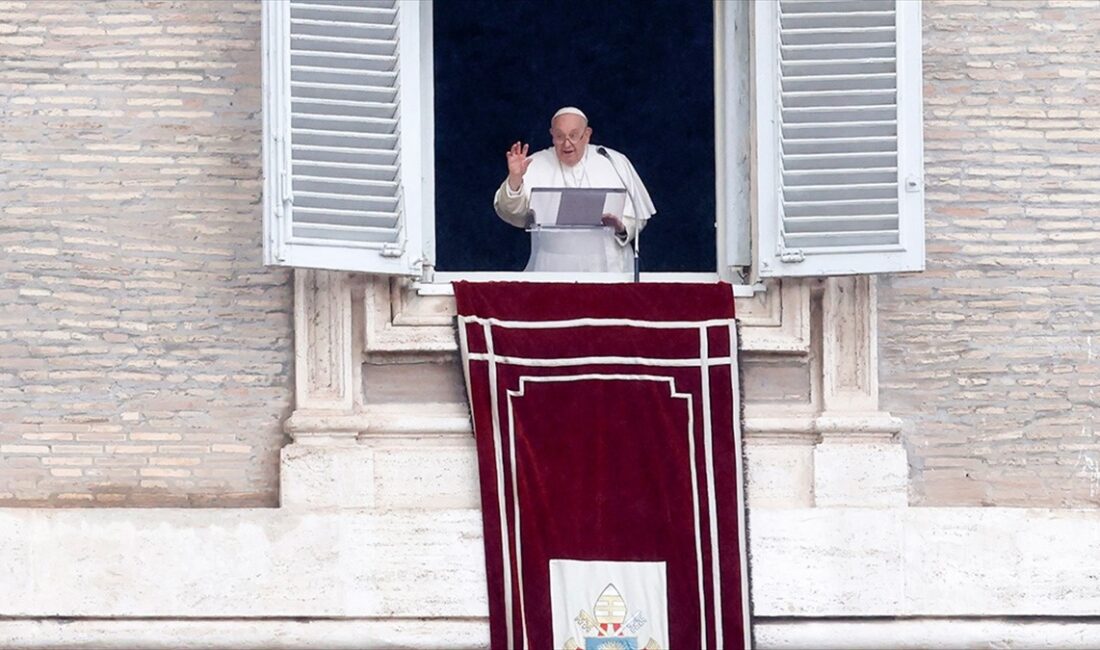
pixel 694 474
pixel 597 322
pixel 515 510
pixel 505 555
pixel 559 362
pixel 712 502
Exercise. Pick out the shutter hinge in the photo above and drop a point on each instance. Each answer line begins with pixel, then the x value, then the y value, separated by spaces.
pixel 393 250
pixel 427 271
pixel 913 184
pixel 791 255
pixel 284 188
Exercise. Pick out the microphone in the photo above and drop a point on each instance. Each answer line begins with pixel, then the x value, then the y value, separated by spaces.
pixel 637 215
pixel 603 152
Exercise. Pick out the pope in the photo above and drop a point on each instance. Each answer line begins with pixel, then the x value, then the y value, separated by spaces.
pixel 573 161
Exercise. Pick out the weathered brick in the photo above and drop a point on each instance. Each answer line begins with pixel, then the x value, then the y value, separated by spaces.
pixel 999 388
pixel 131 188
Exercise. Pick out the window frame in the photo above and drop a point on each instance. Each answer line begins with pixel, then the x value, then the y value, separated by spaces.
pixel 745 107
pixel 732 129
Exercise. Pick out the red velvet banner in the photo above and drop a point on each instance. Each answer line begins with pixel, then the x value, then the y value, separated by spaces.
pixel 608 430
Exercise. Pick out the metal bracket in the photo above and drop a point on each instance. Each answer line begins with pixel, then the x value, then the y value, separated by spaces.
pixel 427 271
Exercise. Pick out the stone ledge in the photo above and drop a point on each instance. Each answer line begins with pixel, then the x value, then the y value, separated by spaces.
pixel 411 563
pixel 243 634
pixel 429 634
pixel 888 562
pixel 454 419
pixel 921 633
pixel 247 563
pixel 380 420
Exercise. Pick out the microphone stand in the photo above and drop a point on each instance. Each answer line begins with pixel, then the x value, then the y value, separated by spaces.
pixel 637 215
pixel 637 248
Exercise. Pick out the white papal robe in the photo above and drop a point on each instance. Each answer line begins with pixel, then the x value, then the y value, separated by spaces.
pixel 578 251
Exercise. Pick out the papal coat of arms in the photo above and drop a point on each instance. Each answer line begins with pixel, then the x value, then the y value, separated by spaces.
pixel 610 625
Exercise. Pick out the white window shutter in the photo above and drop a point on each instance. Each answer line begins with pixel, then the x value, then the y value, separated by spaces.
pixel 343 129
pixel 839 137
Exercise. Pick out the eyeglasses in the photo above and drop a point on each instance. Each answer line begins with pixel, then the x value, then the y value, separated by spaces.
pixel 575 137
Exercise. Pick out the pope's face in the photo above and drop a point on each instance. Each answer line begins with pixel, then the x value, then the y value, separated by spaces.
pixel 570 134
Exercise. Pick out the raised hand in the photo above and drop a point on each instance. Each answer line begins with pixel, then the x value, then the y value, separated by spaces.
pixel 518 162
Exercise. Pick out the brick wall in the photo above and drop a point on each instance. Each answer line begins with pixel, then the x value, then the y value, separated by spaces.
pixel 145 352
pixel 991 356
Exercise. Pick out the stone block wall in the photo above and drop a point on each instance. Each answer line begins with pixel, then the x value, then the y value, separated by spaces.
pixel 145 352
pixel 991 357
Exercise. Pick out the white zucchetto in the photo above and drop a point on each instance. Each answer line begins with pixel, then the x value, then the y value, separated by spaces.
pixel 569 110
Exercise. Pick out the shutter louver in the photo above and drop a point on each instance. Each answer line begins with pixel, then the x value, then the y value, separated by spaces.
pixel 832 56
pixel 343 126
pixel 837 135
pixel 343 146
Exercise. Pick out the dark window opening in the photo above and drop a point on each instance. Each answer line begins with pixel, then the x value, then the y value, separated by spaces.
pixel 643 73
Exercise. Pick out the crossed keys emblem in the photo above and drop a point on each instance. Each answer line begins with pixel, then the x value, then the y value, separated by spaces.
pixel 608 626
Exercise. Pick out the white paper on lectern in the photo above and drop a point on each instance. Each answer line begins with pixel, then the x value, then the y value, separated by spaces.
pixel 576 207
pixel 615 204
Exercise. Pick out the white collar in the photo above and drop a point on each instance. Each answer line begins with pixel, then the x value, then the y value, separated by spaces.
pixel 578 172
